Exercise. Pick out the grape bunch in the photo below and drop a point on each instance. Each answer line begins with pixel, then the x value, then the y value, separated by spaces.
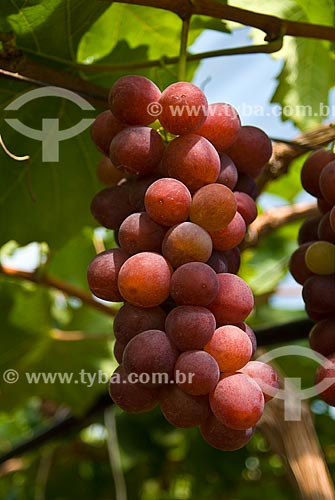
pixel 180 194
pixel 313 262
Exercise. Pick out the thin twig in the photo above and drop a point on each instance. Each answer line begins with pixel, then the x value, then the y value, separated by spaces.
pixel 183 49
pixel 63 286
pixel 114 454
pixel 271 25
pixel 277 217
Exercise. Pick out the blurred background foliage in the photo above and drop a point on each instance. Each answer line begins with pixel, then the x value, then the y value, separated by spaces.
pixel 45 223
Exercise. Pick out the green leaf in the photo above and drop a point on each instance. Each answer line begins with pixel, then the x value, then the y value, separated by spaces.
pixel 71 261
pixel 62 190
pixel 51 27
pixel 29 347
pixel 156 31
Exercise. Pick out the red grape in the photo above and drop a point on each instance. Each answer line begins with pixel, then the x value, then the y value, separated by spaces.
pixel 237 401
pixel 131 397
pixel 192 160
pixel 111 206
pixel 234 301
pixel 265 376
pixel 221 126
pixel 231 235
pixel 131 320
pixel 213 207
pixel 130 98
pixel 103 272
pixel 186 242
pixel 181 409
pixel 137 150
pixel 230 347
pixel 104 129
pixel 190 327
pixel 168 201
pixel 216 434
pixel 144 279
pixel 251 150
pixel 196 372
pixel 139 233
pixel 150 357
pixel 311 170
pixel 183 108
pixel 194 283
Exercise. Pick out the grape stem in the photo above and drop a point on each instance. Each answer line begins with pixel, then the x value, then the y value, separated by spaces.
pixel 183 49
pixel 277 217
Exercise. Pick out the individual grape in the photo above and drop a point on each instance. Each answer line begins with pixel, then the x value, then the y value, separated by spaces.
pixel 320 257
pixel 228 172
pixel 233 257
pixel 190 327
pixel 332 218
pixel 144 279
pixel 181 409
pixel 246 207
pixel 218 262
pixel 325 230
pixel 137 189
pixel 231 235
pixel 297 264
pixel 249 331
pixel 183 108
pixel 312 168
pixel 139 233
pixel 327 182
pixel 131 397
pixel 118 351
pixel 237 401
pixel 107 173
pixel 186 242
pixel 130 98
pixel 192 160
pixel 246 184
pixel 318 294
pixel 309 230
pixel 234 301
pixel 316 316
pixel 151 357
pixel 223 438
pixel 324 372
pixel 213 207
pixel 104 129
pixel 251 150
pixel 131 320
pixel 137 150
pixel 265 376
pixel 168 202
pixel 324 206
pixel 111 206
pixel 230 347
pixel 194 283
pixel 221 126
pixel 196 372
pixel 103 272
pixel 322 337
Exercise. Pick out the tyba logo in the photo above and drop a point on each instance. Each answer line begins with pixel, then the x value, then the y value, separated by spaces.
pixel 50 135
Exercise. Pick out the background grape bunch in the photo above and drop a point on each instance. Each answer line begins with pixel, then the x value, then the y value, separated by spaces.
pixel 180 194
pixel 313 263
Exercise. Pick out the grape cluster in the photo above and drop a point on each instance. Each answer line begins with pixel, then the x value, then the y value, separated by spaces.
pixel 180 194
pixel 313 263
